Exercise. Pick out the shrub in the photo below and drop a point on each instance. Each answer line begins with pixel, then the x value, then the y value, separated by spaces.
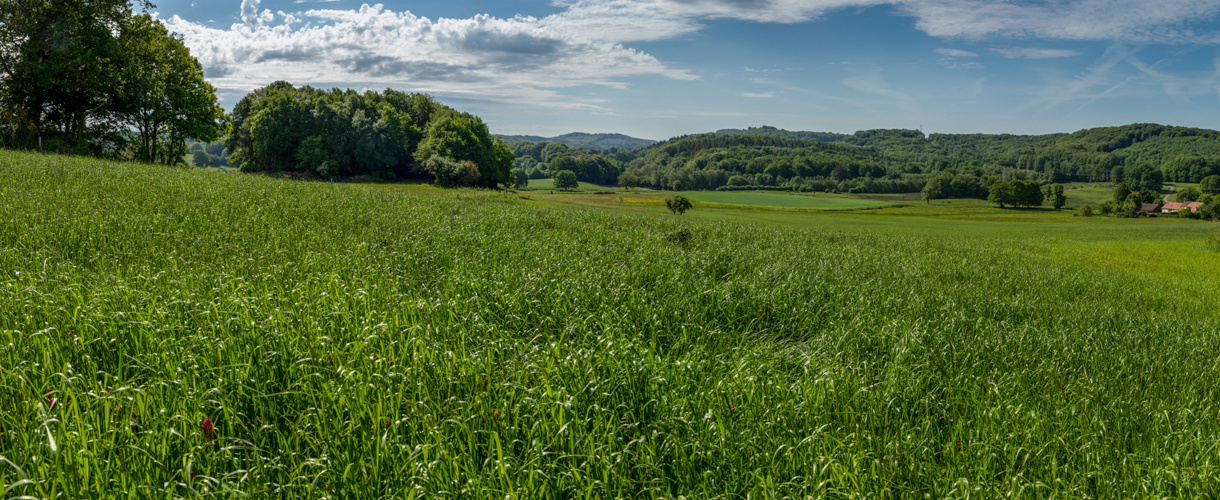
pixel 683 235
pixel 449 172
pixel 678 204
pixel 1106 208
pixel 521 177
pixel 1086 211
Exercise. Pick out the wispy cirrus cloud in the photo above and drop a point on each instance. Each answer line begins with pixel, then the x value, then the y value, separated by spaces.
pixel 1032 53
pixel 956 53
pixel 1165 21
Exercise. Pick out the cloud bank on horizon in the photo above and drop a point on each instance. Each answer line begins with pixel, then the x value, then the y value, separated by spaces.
pixel 532 61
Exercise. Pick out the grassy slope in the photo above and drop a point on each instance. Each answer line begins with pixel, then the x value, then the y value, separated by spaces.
pixel 362 342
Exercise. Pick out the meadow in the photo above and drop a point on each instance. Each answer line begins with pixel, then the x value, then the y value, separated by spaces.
pixel 183 333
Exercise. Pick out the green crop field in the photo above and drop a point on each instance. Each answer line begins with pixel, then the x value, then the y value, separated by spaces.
pixel 180 333
pixel 780 200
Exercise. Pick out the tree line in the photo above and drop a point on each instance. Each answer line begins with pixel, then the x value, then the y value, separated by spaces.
pixel 97 78
pixel 391 134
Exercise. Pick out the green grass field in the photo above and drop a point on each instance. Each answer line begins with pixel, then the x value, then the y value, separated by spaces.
pixel 584 187
pixel 779 200
pixel 178 333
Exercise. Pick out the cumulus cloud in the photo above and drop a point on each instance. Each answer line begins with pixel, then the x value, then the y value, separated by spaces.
pixel 249 13
pixel 509 60
pixel 533 60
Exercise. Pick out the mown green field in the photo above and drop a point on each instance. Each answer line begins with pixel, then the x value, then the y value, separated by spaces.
pixel 180 333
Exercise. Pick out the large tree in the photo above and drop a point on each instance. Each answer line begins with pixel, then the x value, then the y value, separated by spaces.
pixel 79 75
pixel 60 61
pixel 162 94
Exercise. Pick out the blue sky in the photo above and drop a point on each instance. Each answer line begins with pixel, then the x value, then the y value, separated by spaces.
pixel 661 68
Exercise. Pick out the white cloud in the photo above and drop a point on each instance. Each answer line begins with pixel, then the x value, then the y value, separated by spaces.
pixel 645 20
pixel 249 12
pixel 509 60
pixel 956 53
pixel 537 61
pixel 758 95
pixel 1030 53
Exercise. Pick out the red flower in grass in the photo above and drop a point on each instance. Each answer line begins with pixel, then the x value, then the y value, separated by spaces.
pixel 208 430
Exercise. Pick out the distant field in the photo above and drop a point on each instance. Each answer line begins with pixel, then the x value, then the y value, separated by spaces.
pixel 174 333
pixel 585 187
pixel 779 200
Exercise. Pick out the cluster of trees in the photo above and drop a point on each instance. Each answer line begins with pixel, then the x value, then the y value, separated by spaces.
pixel 208 154
pixel 969 182
pixel 96 78
pixel 1191 168
pixel 1017 193
pixel 543 160
pixel 734 161
pixel 282 128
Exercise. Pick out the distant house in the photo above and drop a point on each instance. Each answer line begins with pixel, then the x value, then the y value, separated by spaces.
pixel 1195 206
pixel 1151 208
pixel 1173 207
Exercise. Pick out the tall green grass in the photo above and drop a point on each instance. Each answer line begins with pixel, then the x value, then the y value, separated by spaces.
pixel 351 342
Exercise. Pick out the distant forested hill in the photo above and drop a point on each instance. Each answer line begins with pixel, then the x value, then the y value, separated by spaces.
pixel 580 140
pixel 785 134
pixel 885 160
pixel 1099 154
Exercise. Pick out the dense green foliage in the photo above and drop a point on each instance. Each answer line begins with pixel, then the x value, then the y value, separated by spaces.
pixel 678 204
pixel 1016 193
pixel 566 179
pixel 887 161
pixel 546 159
pixel 713 161
pixel 182 333
pixel 208 155
pixel 892 161
pixel 95 78
pixel 281 128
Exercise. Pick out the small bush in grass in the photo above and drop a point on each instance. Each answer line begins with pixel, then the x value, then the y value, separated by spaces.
pixel 1107 207
pixel 683 235
pixel 678 204
pixel 1213 242
pixel 1086 211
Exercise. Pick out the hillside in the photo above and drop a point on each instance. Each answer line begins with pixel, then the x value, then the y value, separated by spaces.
pixel 580 140
pixel 245 336
pixel 1184 154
